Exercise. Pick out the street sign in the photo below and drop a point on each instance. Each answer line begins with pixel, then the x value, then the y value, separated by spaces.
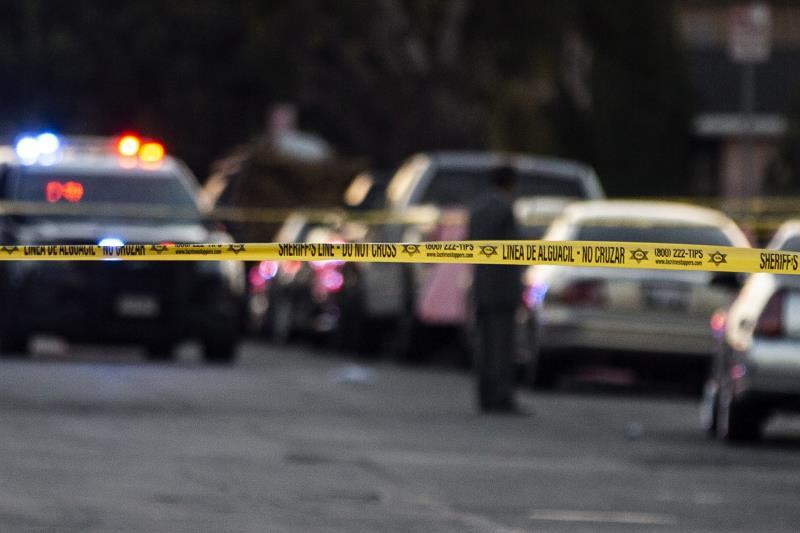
pixel 750 33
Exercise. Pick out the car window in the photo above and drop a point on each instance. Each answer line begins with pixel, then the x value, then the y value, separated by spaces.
pixel 674 234
pixel 144 188
pixel 792 244
pixel 462 186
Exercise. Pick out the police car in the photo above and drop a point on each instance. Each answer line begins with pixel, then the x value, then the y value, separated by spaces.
pixel 112 192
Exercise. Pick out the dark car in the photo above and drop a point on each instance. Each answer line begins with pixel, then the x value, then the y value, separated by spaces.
pixel 315 300
pixel 97 191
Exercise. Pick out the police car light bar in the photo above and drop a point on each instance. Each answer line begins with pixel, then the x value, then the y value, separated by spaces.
pixel 30 148
pixel 130 145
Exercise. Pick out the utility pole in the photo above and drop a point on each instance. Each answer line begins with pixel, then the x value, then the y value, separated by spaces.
pixel 749 43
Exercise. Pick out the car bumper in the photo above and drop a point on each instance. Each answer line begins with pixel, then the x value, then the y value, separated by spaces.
pixel 120 302
pixel 771 372
pixel 565 329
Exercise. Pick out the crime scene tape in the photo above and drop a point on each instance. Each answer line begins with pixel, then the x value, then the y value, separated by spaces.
pixel 562 253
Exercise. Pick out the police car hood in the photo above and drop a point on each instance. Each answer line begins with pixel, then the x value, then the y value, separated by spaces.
pixel 85 232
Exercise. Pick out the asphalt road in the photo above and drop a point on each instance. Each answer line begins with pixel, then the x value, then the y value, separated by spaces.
pixel 292 440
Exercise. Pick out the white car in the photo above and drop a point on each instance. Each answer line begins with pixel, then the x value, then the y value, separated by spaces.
pixel 757 368
pixel 647 318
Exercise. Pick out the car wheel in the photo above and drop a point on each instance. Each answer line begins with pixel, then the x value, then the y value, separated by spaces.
pixel 541 372
pixel 160 351
pixel 409 342
pixel 410 339
pixel 737 421
pixel 15 344
pixel 282 319
pixel 346 334
pixel 709 408
pixel 219 351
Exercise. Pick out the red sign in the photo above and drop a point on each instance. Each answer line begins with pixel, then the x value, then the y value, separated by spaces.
pixel 71 191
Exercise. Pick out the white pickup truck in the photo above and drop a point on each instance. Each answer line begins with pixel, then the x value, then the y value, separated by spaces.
pixel 409 300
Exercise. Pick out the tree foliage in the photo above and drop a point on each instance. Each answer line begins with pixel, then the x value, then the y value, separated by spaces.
pixel 382 78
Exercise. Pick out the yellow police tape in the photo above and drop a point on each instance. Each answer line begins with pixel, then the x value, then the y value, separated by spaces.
pixel 566 253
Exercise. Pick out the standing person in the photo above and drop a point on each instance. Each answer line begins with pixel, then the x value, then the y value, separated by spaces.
pixel 496 293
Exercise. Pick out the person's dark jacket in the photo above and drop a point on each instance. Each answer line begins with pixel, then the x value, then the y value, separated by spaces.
pixel 495 286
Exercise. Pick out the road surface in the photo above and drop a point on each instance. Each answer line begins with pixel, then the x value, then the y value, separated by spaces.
pixel 294 440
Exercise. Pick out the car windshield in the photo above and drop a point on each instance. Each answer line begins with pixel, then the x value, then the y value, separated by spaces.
pixel 133 188
pixel 462 186
pixel 667 234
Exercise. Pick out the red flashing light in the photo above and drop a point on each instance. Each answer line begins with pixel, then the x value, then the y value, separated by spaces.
pixel 128 145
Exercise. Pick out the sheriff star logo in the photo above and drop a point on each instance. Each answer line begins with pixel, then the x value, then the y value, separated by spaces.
pixel 488 250
pixel 411 249
pixel 639 255
pixel 718 258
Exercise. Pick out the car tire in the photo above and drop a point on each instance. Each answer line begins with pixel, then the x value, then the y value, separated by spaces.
pixel 709 408
pixel 541 372
pixel 15 345
pixel 737 420
pixel 219 351
pixel 281 323
pixel 410 341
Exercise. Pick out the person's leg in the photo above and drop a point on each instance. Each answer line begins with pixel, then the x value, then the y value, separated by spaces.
pixel 483 357
pixel 494 366
pixel 504 357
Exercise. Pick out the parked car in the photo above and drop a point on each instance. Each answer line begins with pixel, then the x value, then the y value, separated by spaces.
pixel 112 192
pixel 292 299
pixel 643 318
pixel 434 191
pixel 756 370
pixel 289 299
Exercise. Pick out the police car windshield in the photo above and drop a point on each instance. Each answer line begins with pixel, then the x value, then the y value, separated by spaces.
pixel 450 187
pixel 133 188
pixel 664 234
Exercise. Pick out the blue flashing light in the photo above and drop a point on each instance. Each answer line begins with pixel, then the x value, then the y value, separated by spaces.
pixel 27 149
pixel 44 147
pixel 48 143
pixel 111 241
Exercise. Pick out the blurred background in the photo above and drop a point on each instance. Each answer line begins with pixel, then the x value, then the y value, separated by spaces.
pixel 648 92
pixel 335 395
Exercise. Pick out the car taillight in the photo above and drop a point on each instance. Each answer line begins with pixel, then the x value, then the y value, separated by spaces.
pixel 770 323
pixel 717 323
pixel 586 292
pixel 331 279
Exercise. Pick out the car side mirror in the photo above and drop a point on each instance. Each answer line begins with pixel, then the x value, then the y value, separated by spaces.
pixel 728 280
